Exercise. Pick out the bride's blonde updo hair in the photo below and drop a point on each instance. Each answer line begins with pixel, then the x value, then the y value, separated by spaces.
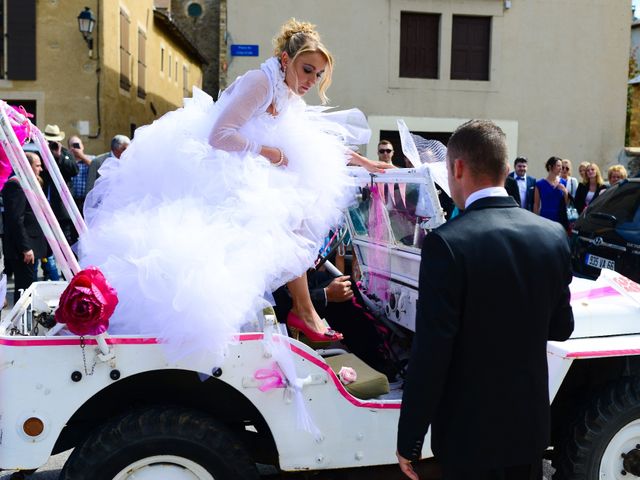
pixel 297 38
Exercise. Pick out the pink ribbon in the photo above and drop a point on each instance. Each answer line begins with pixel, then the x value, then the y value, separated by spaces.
pixel 594 293
pixel 377 258
pixel 272 378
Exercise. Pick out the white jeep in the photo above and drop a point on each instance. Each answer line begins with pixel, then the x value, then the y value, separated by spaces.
pixel 129 413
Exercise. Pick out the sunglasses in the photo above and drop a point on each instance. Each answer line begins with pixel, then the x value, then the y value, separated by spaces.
pixel 385 150
pixel 565 168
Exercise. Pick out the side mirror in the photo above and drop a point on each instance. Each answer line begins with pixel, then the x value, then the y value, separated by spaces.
pixel 603 217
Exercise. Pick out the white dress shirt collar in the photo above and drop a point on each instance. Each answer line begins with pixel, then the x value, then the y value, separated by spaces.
pixel 485 192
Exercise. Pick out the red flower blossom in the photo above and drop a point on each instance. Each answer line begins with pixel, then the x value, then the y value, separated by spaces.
pixel 87 303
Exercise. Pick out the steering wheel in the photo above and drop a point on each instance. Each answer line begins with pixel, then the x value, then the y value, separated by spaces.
pixel 330 248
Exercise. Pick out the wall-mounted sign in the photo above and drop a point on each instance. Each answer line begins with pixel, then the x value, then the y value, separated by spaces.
pixel 244 50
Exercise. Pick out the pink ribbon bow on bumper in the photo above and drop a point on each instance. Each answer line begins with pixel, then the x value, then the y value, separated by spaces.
pixel 273 378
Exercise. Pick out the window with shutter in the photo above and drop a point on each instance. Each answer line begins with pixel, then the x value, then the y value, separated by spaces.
pixel 125 53
pixel 419 44
pixel 20 38
pixel 142 64
pixel 470 47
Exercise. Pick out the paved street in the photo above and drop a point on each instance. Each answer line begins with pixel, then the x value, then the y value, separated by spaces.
pixel 391 472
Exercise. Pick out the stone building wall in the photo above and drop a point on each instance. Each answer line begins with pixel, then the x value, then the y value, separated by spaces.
pixel 203 30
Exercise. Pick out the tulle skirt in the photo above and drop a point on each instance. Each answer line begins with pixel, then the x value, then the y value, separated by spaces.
pixel 194 239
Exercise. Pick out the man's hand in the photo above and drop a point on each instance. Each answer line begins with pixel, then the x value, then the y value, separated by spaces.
pixel 28 257
pixel 339 290
pixel 406 467
pixel 79 154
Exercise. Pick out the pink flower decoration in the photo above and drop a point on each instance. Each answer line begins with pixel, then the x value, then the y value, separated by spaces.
pixel 347 375
pixel 87 303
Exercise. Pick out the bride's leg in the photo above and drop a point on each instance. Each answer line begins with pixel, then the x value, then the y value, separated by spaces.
pixel 302 305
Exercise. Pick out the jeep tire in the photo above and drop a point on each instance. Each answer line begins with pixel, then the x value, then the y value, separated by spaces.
pixel 186 442
pixel 604 441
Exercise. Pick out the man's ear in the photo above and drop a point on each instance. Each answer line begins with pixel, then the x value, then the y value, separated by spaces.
pixel 458 168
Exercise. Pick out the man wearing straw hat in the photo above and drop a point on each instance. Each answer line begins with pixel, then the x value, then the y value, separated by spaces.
pixel 68 168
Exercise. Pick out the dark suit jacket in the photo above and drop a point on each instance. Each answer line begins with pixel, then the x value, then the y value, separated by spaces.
pixel 494 287
pixel 581 196
pixel 531 185
pixel 68 168
pixel 92 174
pixel 21 229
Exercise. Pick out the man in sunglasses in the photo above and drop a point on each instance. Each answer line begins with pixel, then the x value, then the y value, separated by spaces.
pixel 385 151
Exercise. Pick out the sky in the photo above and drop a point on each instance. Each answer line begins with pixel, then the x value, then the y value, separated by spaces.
pixel 636 3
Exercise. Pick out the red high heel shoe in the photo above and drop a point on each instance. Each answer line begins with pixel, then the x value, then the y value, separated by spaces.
pixel 296 325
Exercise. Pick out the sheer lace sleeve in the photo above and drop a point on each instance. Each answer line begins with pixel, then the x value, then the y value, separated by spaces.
pixel 251 93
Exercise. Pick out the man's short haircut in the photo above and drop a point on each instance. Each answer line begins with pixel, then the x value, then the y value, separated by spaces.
pixel 118 141
pixel 520 160
pixel 482 146
pixel 385 142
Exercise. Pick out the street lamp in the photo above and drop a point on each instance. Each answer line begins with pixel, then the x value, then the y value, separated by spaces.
pixel 86 22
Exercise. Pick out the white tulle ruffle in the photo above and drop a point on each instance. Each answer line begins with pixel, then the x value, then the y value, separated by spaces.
pixel 194 238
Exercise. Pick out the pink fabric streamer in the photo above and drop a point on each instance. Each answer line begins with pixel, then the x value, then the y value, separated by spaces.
pixel 594 293
pixel 378 258
pixel 22 131
pixel 402 187
pixel 273 378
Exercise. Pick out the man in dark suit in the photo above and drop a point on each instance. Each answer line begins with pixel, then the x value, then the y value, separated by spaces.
pixel 119 144
pixel 487 306
pixel 525 184
pixel 24 241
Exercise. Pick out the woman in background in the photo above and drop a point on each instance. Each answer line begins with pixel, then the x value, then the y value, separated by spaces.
pixel 589 189
pixel 615 174
pixel 550 195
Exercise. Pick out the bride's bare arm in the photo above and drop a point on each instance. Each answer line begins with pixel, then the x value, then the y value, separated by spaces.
pixel 373 166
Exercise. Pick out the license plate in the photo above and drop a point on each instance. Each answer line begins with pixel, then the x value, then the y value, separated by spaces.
pixel 599 262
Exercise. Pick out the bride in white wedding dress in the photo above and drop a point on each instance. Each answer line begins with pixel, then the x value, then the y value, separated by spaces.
pixel 216 204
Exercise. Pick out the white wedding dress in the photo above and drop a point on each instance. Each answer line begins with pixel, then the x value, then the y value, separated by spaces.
pixel 194 238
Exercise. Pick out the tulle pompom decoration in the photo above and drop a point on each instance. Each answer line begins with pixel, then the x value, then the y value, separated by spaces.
pixel 22 131
pixel 87 303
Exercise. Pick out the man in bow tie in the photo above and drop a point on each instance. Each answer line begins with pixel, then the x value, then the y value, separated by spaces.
pixel 522 189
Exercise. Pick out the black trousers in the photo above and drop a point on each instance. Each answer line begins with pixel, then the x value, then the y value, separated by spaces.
pixel 531 471
pixel 23 274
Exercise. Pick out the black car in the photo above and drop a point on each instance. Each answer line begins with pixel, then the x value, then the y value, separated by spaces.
pixel 607 234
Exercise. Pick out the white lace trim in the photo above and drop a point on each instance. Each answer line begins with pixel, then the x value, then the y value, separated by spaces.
pixel 281 92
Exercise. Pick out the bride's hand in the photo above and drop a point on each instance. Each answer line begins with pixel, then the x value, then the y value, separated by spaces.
pixel 372 166
pixel 275 156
